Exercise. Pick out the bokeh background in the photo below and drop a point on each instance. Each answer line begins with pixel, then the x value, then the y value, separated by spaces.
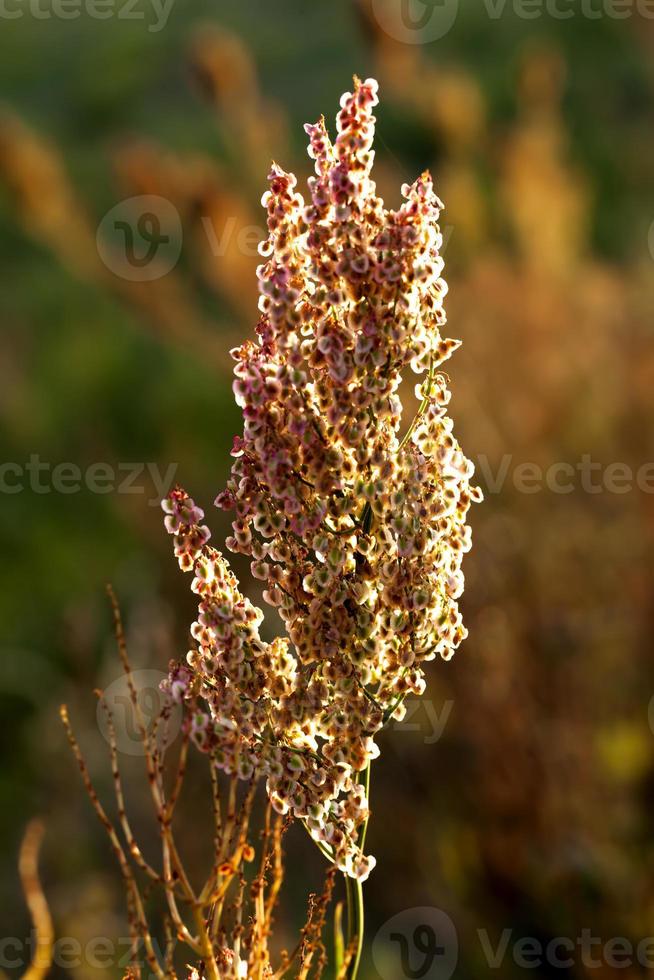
pixel 529 805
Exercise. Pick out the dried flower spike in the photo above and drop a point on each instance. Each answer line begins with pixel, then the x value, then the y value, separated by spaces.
pixel 357 532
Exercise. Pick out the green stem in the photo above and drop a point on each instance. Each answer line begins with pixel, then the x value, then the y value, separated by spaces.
pixel 366 784
pixel 355 923
pixel 354 894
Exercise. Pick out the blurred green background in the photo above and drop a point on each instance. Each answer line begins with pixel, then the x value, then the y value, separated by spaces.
pixel 531 810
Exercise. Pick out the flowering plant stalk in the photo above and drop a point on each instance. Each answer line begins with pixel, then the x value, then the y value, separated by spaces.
pixel 357 533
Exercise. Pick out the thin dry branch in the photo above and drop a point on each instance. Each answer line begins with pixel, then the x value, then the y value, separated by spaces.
pixel 36 901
